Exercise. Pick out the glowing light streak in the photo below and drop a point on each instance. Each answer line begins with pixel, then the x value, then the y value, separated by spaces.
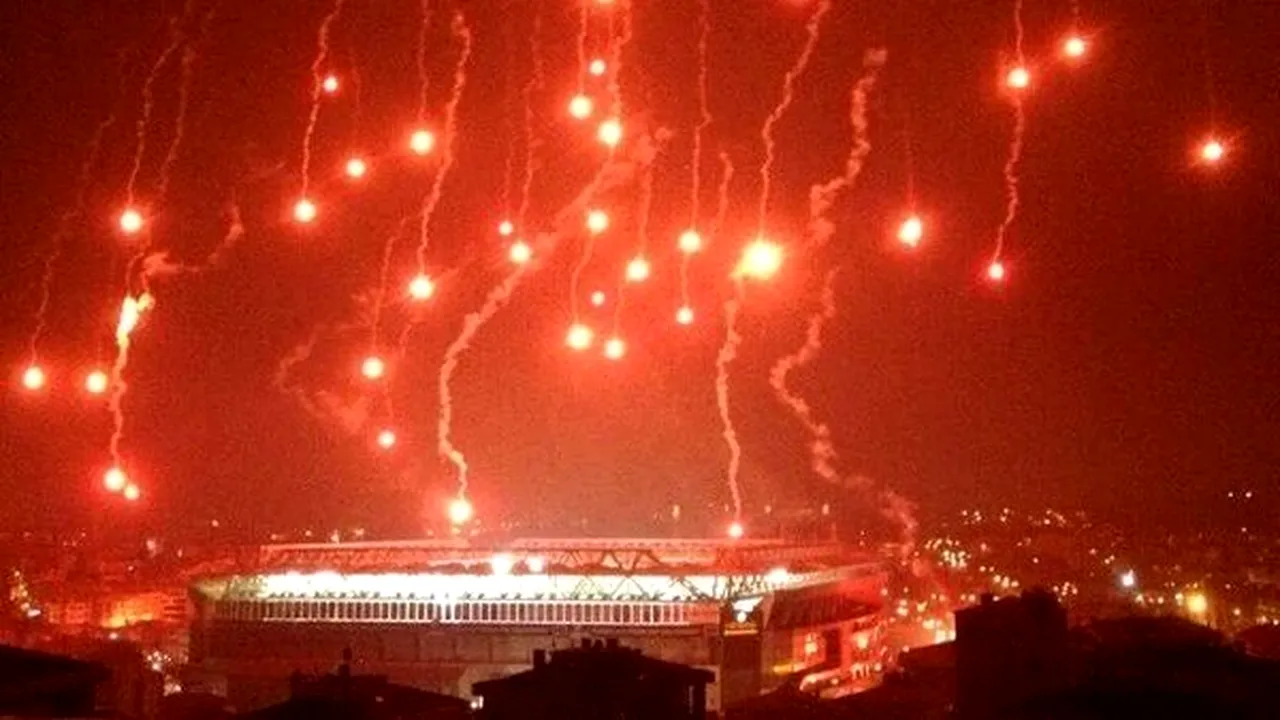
pixel 318 82
pixel 996 270
pixel 597 221
pixel 728 352
pixel 148 107
pixel 690 242
pixel 535 82
pixel 188 67
pixel 462 33
pixel 460 511
pixel 424 79
pixel 813 32
pixel 821 451
pixel 132 311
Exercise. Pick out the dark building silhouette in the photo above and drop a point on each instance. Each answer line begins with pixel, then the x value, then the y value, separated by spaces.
pixel 344 696
pixel 1009 651
pixel 597 681
pixel 35 684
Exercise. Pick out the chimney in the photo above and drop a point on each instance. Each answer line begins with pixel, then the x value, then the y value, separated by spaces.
pixel 539 658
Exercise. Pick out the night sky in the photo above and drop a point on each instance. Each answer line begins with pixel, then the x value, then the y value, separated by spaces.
pixel 1127 366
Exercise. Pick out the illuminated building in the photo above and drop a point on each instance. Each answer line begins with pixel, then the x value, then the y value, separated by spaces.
pixel 443 615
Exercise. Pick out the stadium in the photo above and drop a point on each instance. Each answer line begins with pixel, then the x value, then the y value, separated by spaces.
pixel 442 615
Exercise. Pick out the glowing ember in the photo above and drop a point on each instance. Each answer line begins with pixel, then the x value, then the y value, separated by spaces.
pixel 615 348
pixel 422 142
pixel 761 260
pixel 684 315
pixel 736 530
pixel 387 439
pixel 1212 150
pixel 638 270
pixel 132 493
pixel 597 221
pixel 579 337
pixel 910 232
pixel 520 252
pixel 690 242
pixel 304 211
pixel 996 271
pixel 130 221
pixel 330 84
pixel 114 480
pixel 373 367
pixel 598 298
pixel 33 378
pixel 95 383
pixel 356 168
pixel 421 288
pixel 460 511
pixel 1019 78
pixel 598 67
pixel 506 227
pixel 610 132
pixel 581 107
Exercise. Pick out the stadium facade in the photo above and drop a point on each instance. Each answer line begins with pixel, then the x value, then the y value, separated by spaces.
pixel 442 615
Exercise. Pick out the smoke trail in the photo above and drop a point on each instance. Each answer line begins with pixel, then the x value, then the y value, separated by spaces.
pixel 536 82
pixel 642 231
pixel 704 121
pixel 424 80
pixel 148 106
pixel 728 352
pixel 584 20
pixel 235 231
pixel 813 29
pixel 60 233
pixel 317 88
pixel 496 298
pixel 1015 147
pixel 463 34
pixel 188 64
pixel 722 193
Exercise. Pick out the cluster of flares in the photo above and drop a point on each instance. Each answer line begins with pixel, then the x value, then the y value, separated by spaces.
pixel 594 107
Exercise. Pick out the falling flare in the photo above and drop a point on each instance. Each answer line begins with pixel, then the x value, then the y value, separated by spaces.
pixel 422 142
pixel 727 354
pixel 1212 151
pixel 421 288
pixel 131 221
pixel 95 383
pixel 132 493
pixel 579 337
pixel 1074 47
pixel 690 242
pixel 581 107
pixel 460 511
pixel 598 67
pixel 1018 78
pixel 911 231
pixel 615 348
pixel 387 439
pixel 356 168
pixel 520 252
pixel 33 378
pixel 597 221
pixel 736 530
pixel 506 228
pixel 304 211
pixel 330 84
pixel 373 368
pixel 761 260
pixel 114 480
pixel 996 271
pixel 684 315
pixel 610 132
pixel 638 270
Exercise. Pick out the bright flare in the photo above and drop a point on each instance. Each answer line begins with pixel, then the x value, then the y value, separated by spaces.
pixel 690 242
pixel 1074 47
pixel 638 270
pixel 460 511
pixel 33 378
pixel 736 531
pixel 610 132
pixel 910 232
pixel 995 271
pixel 114 480
pixel 520 252
pixel 130 221
pixel 684 315
pixel 615 348
pixel 421 288
pixel 1197 603
pixel 1212 150
pixel 373 367
pixel 1019 78
pixel 387 439
pixel 761 260
pixel 598 298
pixel 132 493
pixel 506 227
pixel 356 168
pixel 422 142
pixel 95 383
pixel 304 211
pixel 597 221
pixel 597 67
pixel 581 107
pixel 579 337
pixel 330 84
